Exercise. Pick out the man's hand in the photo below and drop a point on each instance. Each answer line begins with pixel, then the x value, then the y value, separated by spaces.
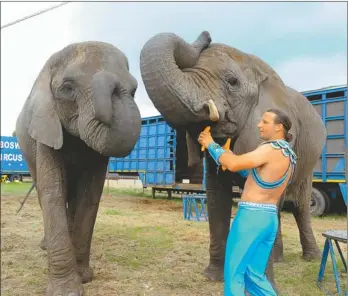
pixel 205 139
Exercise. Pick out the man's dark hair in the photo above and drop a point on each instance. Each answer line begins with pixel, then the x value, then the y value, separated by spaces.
pixel 283 119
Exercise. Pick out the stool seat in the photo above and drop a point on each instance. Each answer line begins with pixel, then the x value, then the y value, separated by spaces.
pixel 338 235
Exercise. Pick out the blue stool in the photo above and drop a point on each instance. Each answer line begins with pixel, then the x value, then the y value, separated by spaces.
pixel 194 207
pixel 336 236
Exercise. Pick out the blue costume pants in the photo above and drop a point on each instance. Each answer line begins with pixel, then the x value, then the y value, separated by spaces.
pixel 248 248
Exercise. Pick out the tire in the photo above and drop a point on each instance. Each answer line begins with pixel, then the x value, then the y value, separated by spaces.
pixel 319 203
pixel 15 177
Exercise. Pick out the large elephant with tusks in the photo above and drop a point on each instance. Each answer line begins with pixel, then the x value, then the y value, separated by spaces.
pixel 80 112
pixel 201 84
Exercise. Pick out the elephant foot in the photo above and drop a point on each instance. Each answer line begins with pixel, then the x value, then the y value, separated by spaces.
pixel 279 258
pixel 312 255
pixel 278 255
pixel 214 273
pixel 70 286
pixel 86 273
pixel 43 244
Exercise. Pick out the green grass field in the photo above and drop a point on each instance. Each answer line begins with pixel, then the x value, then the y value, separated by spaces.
pixel 142 247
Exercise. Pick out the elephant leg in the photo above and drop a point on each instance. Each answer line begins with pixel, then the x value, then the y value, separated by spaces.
pixel 89 191
pixel 301 212
pixel 278 249
pixel 71 204
pixel 70 216
pixel 270 273
pixel 219 201
pixel 62 276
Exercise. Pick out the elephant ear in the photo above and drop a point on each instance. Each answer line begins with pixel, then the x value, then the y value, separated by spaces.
pixel 44 126
pixel 274 94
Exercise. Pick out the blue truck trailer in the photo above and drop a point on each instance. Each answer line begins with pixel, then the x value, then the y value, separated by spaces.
pixel 154 161
pixel 329 177
pixel 13 165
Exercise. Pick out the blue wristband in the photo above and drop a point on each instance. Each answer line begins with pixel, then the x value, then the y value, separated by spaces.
pixel 243 173
pixel 215 151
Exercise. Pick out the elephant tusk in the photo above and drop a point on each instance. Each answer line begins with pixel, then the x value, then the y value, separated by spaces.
pixel 213 111
pixel 226 147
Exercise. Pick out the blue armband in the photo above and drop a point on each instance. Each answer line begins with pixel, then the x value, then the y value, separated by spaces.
pixel 215 151
pixel 243 173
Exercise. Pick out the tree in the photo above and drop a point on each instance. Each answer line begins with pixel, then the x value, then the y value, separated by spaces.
pixel 13 133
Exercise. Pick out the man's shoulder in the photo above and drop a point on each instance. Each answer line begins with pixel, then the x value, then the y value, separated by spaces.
pixel 270 150
pixel 265 148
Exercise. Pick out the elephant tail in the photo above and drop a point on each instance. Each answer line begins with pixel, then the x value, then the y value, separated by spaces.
pixel 25 198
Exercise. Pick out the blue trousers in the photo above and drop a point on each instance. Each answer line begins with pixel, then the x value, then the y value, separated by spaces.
pixel 248 248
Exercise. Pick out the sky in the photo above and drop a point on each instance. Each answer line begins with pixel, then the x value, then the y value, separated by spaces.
pixel 306 43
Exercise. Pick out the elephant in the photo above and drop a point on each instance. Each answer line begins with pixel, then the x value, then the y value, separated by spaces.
pixel 211 84
pixel 80 112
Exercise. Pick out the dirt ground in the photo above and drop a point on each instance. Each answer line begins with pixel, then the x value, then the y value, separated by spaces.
pixel 144 247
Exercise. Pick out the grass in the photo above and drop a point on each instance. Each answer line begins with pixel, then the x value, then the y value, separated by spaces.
pixel 15 188
pixel 142 247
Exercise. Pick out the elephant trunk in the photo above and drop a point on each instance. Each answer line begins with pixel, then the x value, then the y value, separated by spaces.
pixel 103 86
pixel 110 122
pixel 174 92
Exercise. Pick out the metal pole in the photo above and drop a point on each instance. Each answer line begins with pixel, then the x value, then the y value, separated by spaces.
pixel 32 15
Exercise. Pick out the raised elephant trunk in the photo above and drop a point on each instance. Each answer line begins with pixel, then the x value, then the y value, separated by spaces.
pixel 102 129
pixel 162 60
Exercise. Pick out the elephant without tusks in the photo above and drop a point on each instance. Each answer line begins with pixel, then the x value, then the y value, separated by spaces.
pixel 200 84
pixel 80 112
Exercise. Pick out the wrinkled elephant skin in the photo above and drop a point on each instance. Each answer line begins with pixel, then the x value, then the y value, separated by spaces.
pixel 181 79
pixel 80 112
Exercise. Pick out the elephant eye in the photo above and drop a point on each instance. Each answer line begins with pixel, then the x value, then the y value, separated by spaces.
pixel 67 91
pixel 67 87
pixel 233 81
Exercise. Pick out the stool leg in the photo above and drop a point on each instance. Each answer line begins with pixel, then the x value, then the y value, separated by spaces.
pixel 196 209
pixel 334 267
pixel 323 261
pixel 189 209
pixel 341 255
pixel 203 209
pixel 206 210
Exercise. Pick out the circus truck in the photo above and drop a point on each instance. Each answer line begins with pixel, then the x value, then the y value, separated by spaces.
pixel 13 166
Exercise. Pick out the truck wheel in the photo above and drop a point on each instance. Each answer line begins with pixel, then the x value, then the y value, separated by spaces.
pixel 15 177
pixel 319 203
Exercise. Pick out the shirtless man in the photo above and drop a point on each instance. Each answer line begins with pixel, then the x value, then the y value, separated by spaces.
pixel 255 225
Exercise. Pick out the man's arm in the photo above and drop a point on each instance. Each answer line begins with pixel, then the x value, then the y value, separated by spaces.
pixel 245 161
pixel 236 163
pixel 233 162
